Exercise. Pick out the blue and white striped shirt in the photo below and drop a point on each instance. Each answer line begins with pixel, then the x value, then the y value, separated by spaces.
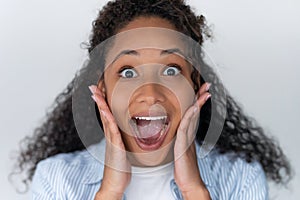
pixel 78 175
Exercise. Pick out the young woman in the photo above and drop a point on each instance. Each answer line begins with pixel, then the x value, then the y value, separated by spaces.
pixel 155 100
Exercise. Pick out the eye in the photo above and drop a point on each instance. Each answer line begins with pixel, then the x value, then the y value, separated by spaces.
pixel 127 72
pixel 172 70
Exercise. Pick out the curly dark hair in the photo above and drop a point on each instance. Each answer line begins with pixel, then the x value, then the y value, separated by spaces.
pixel 241 134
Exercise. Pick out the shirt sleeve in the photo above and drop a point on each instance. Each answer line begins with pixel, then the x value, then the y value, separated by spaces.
pixel 40 187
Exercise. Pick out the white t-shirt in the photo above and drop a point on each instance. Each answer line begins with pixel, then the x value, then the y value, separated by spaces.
pixel 151 183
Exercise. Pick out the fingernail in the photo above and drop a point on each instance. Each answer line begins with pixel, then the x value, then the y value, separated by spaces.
pixel 92 89
pixel 208 86
pixel 94 98
pixel 208 96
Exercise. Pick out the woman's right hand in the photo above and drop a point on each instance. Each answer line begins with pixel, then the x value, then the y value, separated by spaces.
pixel 117 168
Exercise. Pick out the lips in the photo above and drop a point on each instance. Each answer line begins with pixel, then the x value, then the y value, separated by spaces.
pixel 150 131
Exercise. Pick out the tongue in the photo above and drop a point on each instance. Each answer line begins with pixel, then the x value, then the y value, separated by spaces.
pixel 149 129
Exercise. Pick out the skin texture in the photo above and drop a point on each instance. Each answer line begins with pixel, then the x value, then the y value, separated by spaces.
pixel 186 171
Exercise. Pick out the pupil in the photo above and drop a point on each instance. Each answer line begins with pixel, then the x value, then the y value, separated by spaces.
pixel 129 74
pixel 171 72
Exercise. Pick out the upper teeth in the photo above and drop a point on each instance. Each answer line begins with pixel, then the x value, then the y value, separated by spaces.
pixel 151 118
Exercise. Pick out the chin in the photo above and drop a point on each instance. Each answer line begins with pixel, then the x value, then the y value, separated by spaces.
pixel 161 156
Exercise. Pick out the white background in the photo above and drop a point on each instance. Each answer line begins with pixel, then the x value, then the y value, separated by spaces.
pixel 256 48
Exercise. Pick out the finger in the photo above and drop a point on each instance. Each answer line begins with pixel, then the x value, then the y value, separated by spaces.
pixel 195 121
pixel 102 106
pixel 204 88
pixel 202 99
pixel 95 90
pixel 194 109
pixel 101 103
pixel 186 118
pixel 189 122
pixel 181 138
pixel 105 126
pixel 110 127
pixel 193 126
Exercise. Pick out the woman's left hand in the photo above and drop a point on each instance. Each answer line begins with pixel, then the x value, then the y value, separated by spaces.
pixel 186 171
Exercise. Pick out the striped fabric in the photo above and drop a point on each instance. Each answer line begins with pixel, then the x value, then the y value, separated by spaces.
pixel 78 175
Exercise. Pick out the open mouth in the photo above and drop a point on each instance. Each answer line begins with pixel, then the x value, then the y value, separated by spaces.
pixel 150 131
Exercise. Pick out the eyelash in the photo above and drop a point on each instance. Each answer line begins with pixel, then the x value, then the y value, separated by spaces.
pixel 130 67
pixel 178 67
pixel 122 69
pixel 174 65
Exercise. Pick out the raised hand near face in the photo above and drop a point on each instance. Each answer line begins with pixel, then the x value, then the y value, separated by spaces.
pixel 117 168
pixel 186 171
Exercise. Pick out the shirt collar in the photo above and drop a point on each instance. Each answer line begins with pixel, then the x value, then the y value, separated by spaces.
pixel 96 164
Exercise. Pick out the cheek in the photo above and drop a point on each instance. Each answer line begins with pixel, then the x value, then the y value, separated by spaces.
pixel 183 94
pixel 179 94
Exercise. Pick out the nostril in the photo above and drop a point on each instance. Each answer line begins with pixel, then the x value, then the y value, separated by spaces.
pixel 148 99
pixel 150 94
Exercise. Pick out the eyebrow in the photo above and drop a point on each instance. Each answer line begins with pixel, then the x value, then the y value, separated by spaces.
pixel 126 52
pixel 173 51
pixel 163 52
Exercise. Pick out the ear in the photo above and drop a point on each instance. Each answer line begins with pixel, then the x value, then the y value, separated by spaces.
pixel 101 87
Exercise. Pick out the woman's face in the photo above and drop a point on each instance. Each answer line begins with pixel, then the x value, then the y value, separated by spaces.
pixel 147 84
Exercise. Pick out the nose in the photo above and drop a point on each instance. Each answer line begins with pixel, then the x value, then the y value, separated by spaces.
pixel 151 94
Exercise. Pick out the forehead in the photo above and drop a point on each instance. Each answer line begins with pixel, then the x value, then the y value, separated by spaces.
pixel 145 38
